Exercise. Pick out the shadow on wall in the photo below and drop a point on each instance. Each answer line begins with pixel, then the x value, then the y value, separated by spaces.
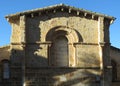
pixel 33 33
pixel 79 36
pixel 90 60
pixel 87 74
pixel 38 72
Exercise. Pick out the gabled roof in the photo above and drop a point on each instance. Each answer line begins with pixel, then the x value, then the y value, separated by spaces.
pixel 62 6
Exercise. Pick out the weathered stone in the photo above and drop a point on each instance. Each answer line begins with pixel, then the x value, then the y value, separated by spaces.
pixel 59 46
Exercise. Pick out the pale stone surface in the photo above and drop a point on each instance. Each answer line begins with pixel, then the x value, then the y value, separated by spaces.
pixel 5 52
pixel 87 30
pixel 60 48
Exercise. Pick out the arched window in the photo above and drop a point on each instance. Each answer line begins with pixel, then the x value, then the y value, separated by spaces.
pixel 61 49
pixel 59 52
pixel 5 69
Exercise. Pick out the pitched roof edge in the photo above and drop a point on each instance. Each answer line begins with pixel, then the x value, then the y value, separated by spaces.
pixel 58 5
pixel 1 47
pixel 114 48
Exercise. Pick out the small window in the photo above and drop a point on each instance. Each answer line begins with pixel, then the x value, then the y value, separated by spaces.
pixel 6 70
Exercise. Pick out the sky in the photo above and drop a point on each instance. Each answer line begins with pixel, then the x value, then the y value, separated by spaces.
pixel 108 7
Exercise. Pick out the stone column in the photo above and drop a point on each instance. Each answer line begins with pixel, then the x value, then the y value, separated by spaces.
pixel 23 41
pixel 102 51
pixel 22 28
pixel 71 56
pixel 100 38
pixel 49 59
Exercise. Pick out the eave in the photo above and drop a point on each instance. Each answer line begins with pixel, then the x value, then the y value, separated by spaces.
pixel 62 7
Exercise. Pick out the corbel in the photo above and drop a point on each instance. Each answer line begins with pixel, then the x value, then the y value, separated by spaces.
pixel 69 10
pixel 92 16
pixel 78 12
pixel 85 14
pixel 62 9
pixel 54 11
pixel 32 15
pixel 111 21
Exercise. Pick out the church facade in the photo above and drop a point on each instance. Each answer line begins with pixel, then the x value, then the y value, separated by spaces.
pixel 59 45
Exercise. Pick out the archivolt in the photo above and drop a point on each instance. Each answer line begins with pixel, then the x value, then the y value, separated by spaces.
pixel 70 33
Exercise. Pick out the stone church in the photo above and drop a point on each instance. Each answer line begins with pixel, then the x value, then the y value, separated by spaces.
pixel 59 45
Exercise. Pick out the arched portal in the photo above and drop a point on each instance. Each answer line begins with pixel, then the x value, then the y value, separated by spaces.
pixel 59 52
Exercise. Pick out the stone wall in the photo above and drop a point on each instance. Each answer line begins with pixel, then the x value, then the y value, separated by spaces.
pixel 5 52
pixel 40 26
pixel 31 46
pixel 4 55
pixel 115 54
pixel 61 77
pixel 87 56
pixel 16 31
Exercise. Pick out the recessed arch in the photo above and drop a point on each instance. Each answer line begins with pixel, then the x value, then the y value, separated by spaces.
pixel 62 49
pixel 70 33
pixel 59 52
